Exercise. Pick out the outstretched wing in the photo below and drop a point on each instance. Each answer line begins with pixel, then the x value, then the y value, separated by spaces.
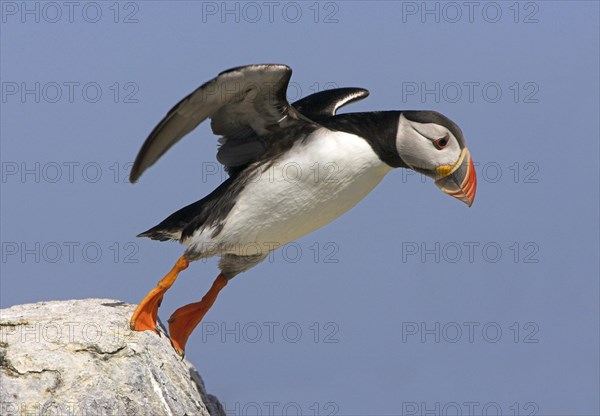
pixel 326 103
pixel 244 103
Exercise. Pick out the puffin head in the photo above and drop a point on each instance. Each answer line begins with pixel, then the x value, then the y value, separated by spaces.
pixel 432 144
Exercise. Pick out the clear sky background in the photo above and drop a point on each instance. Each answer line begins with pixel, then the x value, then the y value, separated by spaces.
pixel 408 303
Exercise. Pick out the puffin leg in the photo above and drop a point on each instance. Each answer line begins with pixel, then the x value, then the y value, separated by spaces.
pixel 146 313
pixel 185 319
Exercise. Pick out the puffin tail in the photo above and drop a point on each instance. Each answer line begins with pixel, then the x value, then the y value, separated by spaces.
pixel 160 234
pixel 172 227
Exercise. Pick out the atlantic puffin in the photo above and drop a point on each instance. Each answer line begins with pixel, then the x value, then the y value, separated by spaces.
pixel 292 169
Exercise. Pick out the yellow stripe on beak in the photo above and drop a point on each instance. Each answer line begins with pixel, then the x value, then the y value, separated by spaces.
pixel 445 170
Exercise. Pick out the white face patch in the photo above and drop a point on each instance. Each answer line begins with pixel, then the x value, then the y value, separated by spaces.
pixel 415 145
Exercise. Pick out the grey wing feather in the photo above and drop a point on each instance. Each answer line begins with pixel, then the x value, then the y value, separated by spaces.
pixel 240 149
pixel 245 101
pixel 326 103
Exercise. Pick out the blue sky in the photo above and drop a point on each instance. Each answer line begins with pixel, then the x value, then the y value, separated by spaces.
pixel 409 303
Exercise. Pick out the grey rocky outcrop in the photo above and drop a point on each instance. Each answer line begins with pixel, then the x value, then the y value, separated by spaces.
pixel 78 357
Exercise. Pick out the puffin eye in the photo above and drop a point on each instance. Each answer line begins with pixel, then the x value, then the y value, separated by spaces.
pixel 441 143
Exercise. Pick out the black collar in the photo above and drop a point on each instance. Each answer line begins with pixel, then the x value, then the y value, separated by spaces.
pixel 378 128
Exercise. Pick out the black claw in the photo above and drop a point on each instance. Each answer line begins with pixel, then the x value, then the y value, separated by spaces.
pixel 181 354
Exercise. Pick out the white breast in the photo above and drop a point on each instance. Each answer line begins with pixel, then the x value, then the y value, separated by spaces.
pixel 309 186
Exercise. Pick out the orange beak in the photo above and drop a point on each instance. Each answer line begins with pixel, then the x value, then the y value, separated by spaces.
pixel 459 180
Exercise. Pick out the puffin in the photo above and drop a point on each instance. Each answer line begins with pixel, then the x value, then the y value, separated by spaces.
pixel 293 168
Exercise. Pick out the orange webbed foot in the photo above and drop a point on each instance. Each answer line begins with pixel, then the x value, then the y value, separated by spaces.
pixel 144 317
pixel 185 319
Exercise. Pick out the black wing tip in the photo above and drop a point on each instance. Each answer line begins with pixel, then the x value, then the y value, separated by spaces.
pixel 357 94
pixel 345 95
pixel 137 169
pixel 141 163
pixel 364 92
pixel 256 67
pixel 134 175
pixel 326 103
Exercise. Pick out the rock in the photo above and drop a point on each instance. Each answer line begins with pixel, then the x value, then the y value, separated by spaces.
pixel 79 357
